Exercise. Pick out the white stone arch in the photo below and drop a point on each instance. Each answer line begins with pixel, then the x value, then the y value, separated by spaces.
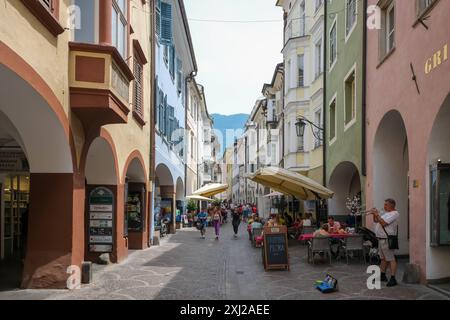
pixel 179 189
pixel 101 165
pixel 164 176
pixel 391 170
pixel 346 183
pixel 27 117
pixel 136 172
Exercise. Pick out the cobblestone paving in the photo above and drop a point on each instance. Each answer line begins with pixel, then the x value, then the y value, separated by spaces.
pixel 185 266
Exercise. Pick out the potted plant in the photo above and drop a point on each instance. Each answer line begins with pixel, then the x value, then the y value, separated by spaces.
pixel 191 209
pixel 217 202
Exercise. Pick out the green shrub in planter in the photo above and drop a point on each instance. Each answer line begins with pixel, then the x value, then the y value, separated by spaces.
pixel 191 206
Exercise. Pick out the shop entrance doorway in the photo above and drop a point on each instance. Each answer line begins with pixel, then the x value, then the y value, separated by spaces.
pixel 14 207
pixel 16 192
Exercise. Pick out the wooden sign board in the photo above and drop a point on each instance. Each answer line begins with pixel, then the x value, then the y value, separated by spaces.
pixel 275 249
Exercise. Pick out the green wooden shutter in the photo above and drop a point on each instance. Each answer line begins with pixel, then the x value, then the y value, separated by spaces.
pixel 179 75
pixel 166 23
pixel 167 124
pixel 158 101
pixel 158 18
pixel 163 113
pixel 172 61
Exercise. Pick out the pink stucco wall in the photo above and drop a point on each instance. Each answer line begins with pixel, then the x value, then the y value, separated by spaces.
pixel 390 87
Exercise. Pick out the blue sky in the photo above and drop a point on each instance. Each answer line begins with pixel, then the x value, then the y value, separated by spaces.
pixel 235 59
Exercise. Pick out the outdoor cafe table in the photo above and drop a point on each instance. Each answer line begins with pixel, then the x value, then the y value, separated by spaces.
pixel 308 237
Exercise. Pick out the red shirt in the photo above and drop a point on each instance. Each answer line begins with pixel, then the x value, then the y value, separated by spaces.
pixel 254 210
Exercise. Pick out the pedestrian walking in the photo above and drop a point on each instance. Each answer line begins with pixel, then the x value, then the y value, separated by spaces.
pixel 236 221
pixel 202 222
pixel 217 221
pixel 386 230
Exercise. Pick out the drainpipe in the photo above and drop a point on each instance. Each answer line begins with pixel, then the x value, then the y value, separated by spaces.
pixel 153 86
pixel 364 98
pixel 282 116
pixel 324 109
pixel 325 96
pixel 186 101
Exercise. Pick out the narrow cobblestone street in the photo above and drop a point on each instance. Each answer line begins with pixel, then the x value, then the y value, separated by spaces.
pixel 185 266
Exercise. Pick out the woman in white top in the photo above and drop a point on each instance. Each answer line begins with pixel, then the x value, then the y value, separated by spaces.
pixel 307 222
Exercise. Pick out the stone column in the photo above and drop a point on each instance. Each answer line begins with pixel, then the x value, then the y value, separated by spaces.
pixel 55 238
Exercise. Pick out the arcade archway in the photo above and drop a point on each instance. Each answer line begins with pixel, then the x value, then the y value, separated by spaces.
pixel 345 181
pixel 391 167
pixel 136 197
pixel 37 169
pixel 165 197
pixel 104 201
pixel 438 196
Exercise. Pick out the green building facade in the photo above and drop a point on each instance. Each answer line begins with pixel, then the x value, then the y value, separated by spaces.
pixel 343 102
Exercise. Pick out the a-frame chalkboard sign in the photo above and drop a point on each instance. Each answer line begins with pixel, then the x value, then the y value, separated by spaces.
pixel 275 249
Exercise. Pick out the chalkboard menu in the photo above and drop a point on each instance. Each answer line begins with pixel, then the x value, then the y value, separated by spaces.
pixel 275 248
pixel 101 213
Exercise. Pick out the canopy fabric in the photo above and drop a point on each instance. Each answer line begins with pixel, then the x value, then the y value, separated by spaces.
pixel 273 194
pixel 211 189
pixel 200 198
pixel 292 183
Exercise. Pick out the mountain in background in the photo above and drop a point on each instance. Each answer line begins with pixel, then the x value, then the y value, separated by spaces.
pixel 224 123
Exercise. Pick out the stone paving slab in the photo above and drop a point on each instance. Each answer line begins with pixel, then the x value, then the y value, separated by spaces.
pixel 186 267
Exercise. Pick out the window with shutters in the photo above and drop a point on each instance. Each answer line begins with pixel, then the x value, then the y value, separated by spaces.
pixel 162 116
pixel 169 123
pixel 138 95
pixel 158 19
pixel 166 23
pixel 179 77
pixel 158 101
pixel 172 62
pixel 166 54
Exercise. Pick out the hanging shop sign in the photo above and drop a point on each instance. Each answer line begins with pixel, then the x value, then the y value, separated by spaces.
pixel 101 208
pixel 13 161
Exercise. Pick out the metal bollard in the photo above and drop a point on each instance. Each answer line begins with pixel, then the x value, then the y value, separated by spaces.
pixel 86 272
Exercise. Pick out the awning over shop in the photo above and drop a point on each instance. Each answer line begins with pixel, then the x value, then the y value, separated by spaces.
pixel 291 183
pixel 199 198
pixel 211 190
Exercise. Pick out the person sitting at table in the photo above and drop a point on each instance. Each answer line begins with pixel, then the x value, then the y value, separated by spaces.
pixel 334 226
pixel 322 232
pixel 342 231
pixel 256 224
pixel 272 222
pixel 307 222
pixel 288 219
pixel 280 219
